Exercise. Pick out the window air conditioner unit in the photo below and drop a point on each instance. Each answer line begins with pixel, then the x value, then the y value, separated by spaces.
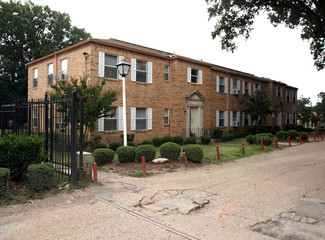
pixel 236 91
pixel 61 77
pixel 235 124
pixel 59 126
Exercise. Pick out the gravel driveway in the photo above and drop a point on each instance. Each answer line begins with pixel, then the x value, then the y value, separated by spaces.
pixel 274 195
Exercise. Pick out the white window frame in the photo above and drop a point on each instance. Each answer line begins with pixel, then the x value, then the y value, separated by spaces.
pixel 249 91
pixel 134 70
pixel 166 73
pixel 234 85
pixel 148 118
pixel 225 84
pixel 294 96
pixel 111 66
pixel 244 118
pixel 278 92
pixel 49 74
pixel 35 117
pixel 234 118
pixel 166 116
pixel 225 118
pixel 35 77
pixel 64 66
pixel 119 121
pixel 190 76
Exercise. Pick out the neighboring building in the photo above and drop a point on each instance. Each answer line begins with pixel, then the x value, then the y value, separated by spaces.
pixel 167 94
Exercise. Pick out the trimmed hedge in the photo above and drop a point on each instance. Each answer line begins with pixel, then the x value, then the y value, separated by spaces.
pixel 270 135
pixel 267 141
pixel 168 139
pixel 227 137
pixel 157 142
pixel 147 142
pixel 103 156
pixel 4 181
pixel 216 133
pixel 126 154
pixel 194 153
pixel 293 134
pixel 132 144
pixel 179 140
pixel 41 176
pixel 170 150
pixel 190 140
pixel 205 139
pixel 303 135
pixel 18 152
pixel 281 135
pixel 147 151
pixel 99 145
pixel 114 145
pixel 250 139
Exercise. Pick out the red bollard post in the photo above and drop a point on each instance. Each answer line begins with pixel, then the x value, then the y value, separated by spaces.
pixel 262 144
pixel 314 137
pixel 307 137
pixel 144 166
pixel 218 154
pixel 276 142
pixel 300 139
pixel 95 172
pixel 289 139
pixel 243 147
pixel 185 159
pixel 322 137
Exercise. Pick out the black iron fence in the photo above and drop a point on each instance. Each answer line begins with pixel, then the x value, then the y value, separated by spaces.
pixel 197 132
pixel 56 121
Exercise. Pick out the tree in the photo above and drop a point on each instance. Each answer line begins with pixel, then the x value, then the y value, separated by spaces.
pixel 235 18
pixel 304 110
pixel 98 102
pixel 28 32
pixel 258 106
pixel 320 106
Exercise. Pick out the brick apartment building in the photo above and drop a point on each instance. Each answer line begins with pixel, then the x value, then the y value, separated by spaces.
pixel 167 94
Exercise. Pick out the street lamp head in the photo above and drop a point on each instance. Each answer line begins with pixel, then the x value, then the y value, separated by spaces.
pixel 123 67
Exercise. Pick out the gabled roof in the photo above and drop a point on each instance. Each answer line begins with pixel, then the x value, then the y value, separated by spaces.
pixel 195 93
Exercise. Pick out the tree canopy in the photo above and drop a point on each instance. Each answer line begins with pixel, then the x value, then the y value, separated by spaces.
pixel 235 18
pixel 28 32
pixel 320 106
pixel 304 110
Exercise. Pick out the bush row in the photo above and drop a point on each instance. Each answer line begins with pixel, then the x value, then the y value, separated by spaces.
pixel 283 135
pixel 256 139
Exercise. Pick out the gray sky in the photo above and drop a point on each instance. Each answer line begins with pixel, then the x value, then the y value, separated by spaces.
pixel 182 26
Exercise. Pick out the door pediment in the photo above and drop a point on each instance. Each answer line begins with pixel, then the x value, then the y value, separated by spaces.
pixel 195 96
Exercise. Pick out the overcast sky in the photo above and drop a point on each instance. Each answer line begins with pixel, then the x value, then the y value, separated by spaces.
pixel 182 26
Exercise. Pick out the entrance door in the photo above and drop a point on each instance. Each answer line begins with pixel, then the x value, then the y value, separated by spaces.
pixel 194 121
pixel 279 119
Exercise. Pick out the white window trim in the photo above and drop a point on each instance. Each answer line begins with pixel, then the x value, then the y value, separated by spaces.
pixel 133 119
pixel 35 77
pixel 63 71
pixel 134 71
pixel 225 122
pixel 166 116
pixel 225 81
pixel 166 72
pixel 232 85
pixel 119 121
pixel 49 72
pixel 199 76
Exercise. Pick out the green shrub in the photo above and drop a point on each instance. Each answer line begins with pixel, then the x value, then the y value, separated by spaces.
pixel 170 150
pixel 99 145
pixel 126 154
pixel 147 151
pixel 114 145
pixel 250 139
pixel 303 135
pixel 179 140
pixel 270 135
pixel 227 137
pixel 132 144
pixel 129 137
pixel 267 141
pixel 205 139
pixel 194 153
pixel 281 135
pixel 146 142
pixel 216 133
pixel 157 142
pixel 190 140
pixel 168 139
pixel 41 176
pixel 235 134
pixel 18 152
pixel 293 134
pixel 103 156
pixel 4 181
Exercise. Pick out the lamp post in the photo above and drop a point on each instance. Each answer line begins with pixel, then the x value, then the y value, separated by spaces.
pixel 123 69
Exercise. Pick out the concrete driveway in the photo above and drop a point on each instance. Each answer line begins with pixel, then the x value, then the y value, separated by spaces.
pixel 274 195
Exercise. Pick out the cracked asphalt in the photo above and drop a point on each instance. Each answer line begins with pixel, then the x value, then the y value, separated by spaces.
pixel 273 195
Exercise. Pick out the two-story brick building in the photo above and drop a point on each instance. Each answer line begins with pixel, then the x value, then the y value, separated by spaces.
pixel 166 94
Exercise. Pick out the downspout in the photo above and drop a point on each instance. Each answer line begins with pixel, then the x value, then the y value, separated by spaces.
pixel 170 98
pixel 228 84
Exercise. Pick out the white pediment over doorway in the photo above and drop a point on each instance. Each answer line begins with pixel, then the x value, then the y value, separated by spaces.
pixel 195 96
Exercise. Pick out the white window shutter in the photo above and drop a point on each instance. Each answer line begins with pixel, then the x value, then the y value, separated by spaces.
pixel 243 88
pixel 276 91
pixel 200 76
pixel 238 117
pixel 250 88
pixel 149 72
pixel 100 124
pixel 243 119
pixel 218 82
pixel 201 117
pixel 259 87
pixel 101 62
pixel 280 92
pixel 231 119
pixel 133 118
pixel 226 118
pixel 254 87
pixel 120 58
pixel 149 115
pixel 133 69
pixel 189 74
pixel 217 119
pixel 226 85
pixel 231 86
pixel 238 84
pixel 120 119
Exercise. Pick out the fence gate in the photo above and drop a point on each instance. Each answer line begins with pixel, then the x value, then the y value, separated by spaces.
pixel 57 121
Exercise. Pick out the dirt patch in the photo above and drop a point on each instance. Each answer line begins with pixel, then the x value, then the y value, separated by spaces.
pixel 156 168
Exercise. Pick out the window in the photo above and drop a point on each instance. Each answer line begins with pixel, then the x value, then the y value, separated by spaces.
pixel 221 119
pixel 221 84
pixel 110 69
pixel 35 114
pixel 166 116
pixel 288 118
pixel 278 91
pixel 113 122
pixel 166 73
pixel 294 118
pixel 256 87
pixel 235 118
pixel 235 86
pixel 35 77
pixel 194 75
pixel 50 74
pixel 246 88
pixel 64 66
pixel 288 95
pixel 141 118
pixel 141 71
pixel 246 119
pixel 294 94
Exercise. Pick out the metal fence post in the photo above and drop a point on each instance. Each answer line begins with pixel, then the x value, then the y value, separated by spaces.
pixel 2 122
pixel 46 124
pixel 81 140
pixel 74 137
